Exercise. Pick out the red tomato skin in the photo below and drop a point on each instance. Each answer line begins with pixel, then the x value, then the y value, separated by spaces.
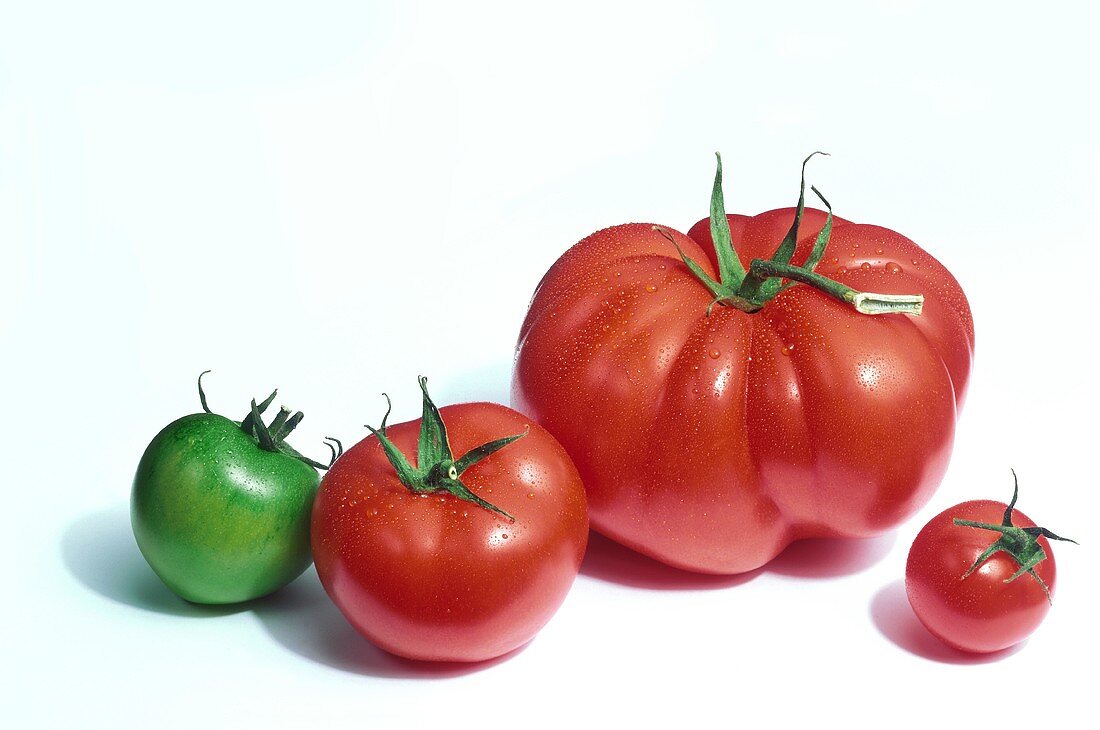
pixel 440 579
pixel 711 443
pixel 981 613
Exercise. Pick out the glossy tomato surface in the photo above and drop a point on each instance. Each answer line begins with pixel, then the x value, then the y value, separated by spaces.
pixel 219 519
pixel 981 612
pixel 711 442
pixel 434 577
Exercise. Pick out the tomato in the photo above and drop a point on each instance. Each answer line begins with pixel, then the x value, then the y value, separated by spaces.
pixel 220 509
pixel 455 558
pixel 716 412
pixel 974 590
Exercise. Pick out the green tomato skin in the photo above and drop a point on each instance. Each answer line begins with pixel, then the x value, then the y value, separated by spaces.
pixel 219 519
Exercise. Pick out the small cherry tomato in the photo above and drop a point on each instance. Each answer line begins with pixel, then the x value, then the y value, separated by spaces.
pixel 981 575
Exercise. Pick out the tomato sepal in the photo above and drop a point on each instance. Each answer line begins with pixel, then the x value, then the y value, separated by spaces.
pixel 1020 543
pixel 823 236
pixel 750 290
pixel 436 469
pixel 272 437
pixel 730 269
pixel 785 251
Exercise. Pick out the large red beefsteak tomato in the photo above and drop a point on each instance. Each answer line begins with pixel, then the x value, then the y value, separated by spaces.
pixel 745 392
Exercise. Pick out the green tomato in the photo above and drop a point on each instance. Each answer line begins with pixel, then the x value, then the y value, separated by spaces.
pixel 221 509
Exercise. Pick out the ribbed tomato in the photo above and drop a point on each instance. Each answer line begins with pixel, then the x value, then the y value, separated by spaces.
pixel 716 415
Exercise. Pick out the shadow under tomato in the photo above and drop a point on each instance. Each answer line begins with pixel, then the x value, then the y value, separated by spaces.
pixel 831 557
pixel 609 561
pixel 99 551
pixel 303 619
pixel 894 618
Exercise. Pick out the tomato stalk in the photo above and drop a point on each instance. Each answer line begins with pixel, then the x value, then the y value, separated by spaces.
pixel 864 302
pixel 436 470
pixel 1021 543
pixel 750 290
pixel 272 437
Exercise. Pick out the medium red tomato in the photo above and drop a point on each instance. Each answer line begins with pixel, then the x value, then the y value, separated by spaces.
pixel 716 413
pixel 975 590
pixel 461 551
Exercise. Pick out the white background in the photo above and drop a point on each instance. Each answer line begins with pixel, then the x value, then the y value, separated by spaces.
pixel 335 197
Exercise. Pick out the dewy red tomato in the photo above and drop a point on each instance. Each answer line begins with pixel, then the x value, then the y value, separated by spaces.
pixel 980 575
pixel 716 412
pixel 461 553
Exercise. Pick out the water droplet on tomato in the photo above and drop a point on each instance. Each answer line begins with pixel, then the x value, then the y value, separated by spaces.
pixel 787 348
pixel 650 288
pixel 865 266
pixel 842 270
pixel 714 354
pixel 892 268
pixel 878 250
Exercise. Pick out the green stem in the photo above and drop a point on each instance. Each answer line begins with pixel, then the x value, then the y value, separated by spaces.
pixel 862 302
pixel 750 290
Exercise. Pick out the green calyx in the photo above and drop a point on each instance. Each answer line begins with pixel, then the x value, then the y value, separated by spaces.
pixel 750 290
pixel 272 437
pixel 1021 543
pixel 436 470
